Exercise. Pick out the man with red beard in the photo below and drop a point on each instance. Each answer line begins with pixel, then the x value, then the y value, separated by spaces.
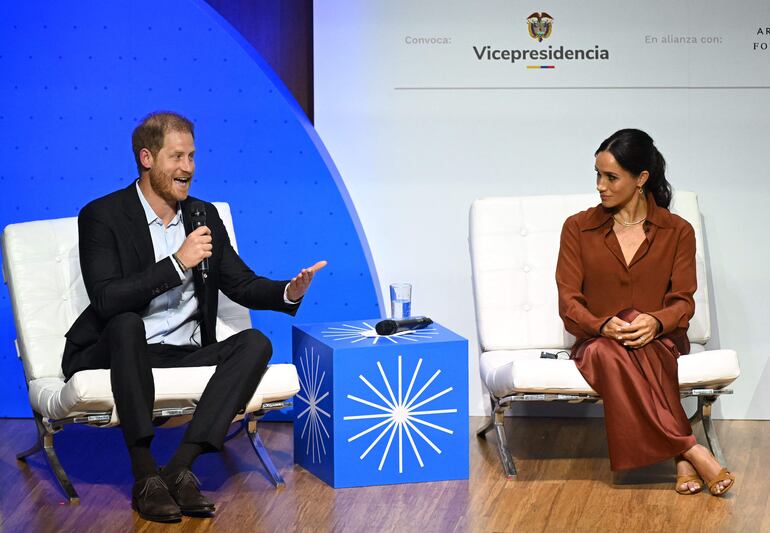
pixel 151 308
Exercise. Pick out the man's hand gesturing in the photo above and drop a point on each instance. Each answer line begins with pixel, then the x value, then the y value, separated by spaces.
pixel 299 284
pixel 196 247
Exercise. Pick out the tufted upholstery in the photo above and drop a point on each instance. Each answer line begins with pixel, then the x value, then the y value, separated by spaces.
pixel 514 244
pixel 42 269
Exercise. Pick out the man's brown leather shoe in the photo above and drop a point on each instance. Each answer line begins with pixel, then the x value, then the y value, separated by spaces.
pixel 183 487
pixel 151 499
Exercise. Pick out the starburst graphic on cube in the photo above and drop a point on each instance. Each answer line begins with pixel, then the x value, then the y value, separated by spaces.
pixel 400 414
pixel 352 333
pixel 311 386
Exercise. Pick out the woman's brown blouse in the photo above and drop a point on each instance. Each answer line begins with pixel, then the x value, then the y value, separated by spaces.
pixel 595 283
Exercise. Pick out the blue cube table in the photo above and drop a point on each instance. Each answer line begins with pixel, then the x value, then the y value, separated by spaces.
pixel 379 410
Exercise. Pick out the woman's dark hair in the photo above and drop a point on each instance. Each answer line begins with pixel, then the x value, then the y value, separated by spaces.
pixel 635 151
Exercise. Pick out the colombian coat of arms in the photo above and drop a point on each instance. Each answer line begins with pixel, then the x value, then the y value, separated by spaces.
pixel 540 25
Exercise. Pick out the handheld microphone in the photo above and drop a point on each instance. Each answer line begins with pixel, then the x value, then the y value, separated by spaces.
pixel 198 219
pixel 391 327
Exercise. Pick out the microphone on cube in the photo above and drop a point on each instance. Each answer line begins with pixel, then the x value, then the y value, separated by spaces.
pixel 391 327
pixel 198 219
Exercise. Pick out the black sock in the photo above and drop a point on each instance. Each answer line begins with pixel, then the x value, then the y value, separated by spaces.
pixel 142 461
pixel 183 457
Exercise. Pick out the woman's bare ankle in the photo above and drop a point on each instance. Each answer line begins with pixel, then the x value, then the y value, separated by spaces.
pixel 691 453
pixel 703 461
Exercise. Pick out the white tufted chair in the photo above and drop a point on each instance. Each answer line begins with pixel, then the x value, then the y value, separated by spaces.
pixel 42 269
pixel 514 245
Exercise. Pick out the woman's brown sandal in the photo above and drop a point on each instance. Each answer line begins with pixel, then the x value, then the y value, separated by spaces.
pixel 723 475
pixel 682 480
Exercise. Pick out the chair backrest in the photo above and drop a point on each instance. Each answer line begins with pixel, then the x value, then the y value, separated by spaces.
pixel 514 245
pixel 41 266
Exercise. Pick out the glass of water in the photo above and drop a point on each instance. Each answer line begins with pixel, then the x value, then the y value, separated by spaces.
pixel 400 300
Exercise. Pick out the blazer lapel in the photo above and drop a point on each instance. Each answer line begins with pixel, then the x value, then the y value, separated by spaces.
pixel 186 218
pixel 137 229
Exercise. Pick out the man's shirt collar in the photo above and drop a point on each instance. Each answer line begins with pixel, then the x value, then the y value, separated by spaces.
pixel 150 214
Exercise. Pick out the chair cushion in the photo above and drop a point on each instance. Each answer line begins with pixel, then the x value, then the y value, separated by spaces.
pixel 89 391
pixel 509 371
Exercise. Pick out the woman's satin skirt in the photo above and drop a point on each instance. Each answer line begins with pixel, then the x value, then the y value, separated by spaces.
pixel 643 414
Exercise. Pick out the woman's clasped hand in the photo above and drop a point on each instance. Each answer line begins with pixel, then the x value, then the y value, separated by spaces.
pixel 642 330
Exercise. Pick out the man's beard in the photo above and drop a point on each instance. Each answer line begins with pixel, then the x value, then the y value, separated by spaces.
pixel 163 185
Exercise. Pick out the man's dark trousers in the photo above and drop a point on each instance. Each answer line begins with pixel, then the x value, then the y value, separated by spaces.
pixel 241 361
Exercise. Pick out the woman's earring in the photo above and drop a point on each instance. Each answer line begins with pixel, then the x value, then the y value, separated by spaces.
pixel 640 190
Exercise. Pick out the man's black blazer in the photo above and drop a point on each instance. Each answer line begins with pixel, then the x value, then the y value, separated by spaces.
pixel 120 274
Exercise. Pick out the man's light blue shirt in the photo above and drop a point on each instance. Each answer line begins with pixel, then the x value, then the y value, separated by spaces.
pixel 172 317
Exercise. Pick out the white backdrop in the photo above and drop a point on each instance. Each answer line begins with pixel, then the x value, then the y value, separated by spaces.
pixel 419 127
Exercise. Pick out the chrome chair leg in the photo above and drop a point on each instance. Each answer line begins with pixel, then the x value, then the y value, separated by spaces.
pixel 502 443
pixel 58 471
pixel 45 442
pixel 251 431
pixel 704 407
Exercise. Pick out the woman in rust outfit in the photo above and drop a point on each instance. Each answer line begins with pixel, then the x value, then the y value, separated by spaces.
pixel 626 278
